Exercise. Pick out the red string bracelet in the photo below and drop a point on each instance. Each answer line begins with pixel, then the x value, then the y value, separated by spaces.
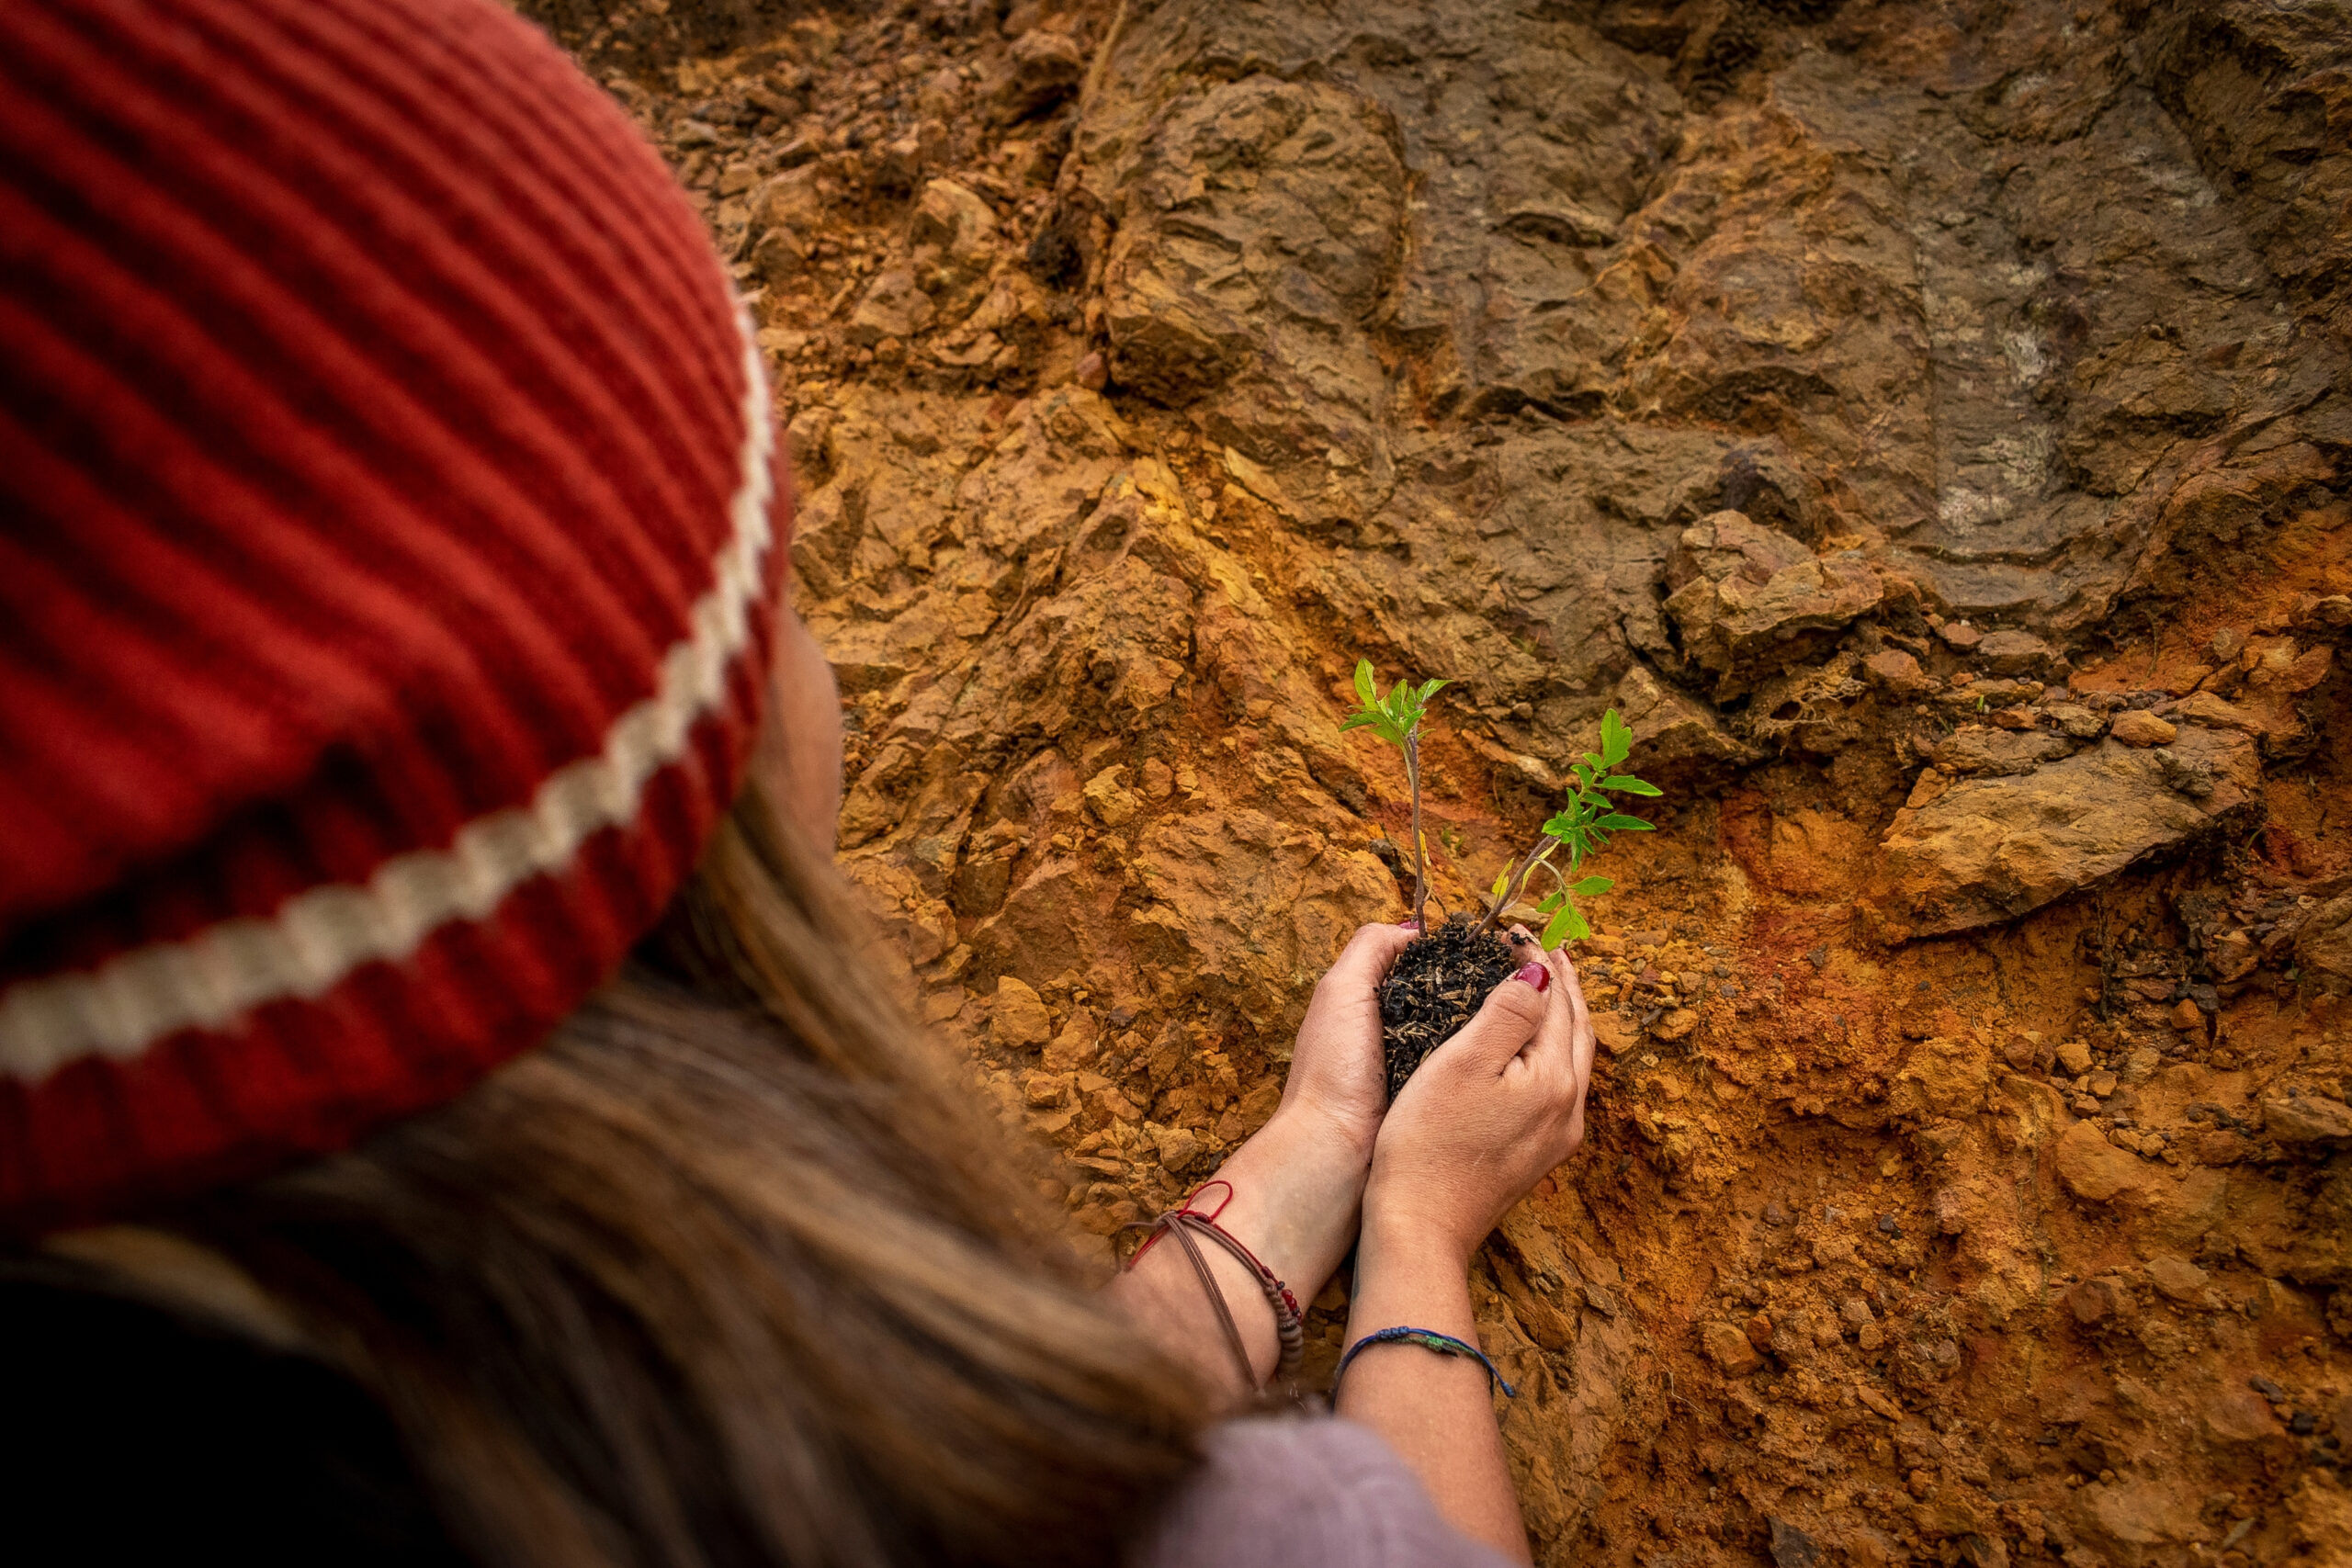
pixel 1184 1221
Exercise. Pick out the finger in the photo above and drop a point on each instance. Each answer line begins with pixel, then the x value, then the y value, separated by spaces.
pixel 1552 1051
pixel 1367 958
pixel 1584 1042
pixel 1503 1024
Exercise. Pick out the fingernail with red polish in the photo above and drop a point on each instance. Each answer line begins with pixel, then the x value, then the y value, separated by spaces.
pixel 1534 975
pixel 1408 925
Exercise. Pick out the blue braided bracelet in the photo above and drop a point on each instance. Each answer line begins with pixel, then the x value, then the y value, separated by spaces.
pixel 1428 1339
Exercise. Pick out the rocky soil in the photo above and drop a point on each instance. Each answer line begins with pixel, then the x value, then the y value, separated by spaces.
pixel 1927 421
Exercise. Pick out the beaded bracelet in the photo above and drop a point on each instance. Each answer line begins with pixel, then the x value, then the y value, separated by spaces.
pixel 1428 1339
pixel 1290 1323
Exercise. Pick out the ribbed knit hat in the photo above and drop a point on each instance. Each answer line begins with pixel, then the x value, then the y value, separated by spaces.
pixel 386 550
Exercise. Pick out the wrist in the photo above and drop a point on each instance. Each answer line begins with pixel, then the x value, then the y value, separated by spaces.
pixel 1332 1141
pixel 1398 1234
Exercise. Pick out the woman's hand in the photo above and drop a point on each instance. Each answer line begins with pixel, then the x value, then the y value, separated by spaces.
pixel 1296 1186
pixel 1336 1076
pixel 1490 1111
pixel 1488 1114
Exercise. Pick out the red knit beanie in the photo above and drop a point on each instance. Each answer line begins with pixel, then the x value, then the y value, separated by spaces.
pixel 386 551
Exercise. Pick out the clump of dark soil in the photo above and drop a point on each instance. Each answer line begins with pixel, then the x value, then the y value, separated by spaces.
pixel 1437 982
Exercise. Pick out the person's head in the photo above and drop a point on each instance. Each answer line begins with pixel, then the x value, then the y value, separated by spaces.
pixel 421 966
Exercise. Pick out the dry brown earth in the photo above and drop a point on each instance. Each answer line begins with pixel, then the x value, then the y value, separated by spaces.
pixel 1927 421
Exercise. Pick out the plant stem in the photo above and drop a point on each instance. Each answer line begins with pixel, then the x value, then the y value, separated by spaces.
pixel 1512 887
pixel 1420 866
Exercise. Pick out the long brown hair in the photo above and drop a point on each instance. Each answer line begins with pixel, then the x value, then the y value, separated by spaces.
pixel 727 1272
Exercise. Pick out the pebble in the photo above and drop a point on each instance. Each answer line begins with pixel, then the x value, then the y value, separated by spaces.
pixel 2138 728
pixel 1729 1349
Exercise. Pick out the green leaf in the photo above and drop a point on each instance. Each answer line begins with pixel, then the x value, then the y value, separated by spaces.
pixel 1592 884
pixel 1430 688
pixel 1365 688
pixel 1502 880
pixel 1628 784
pixel 1358 721
pixel 1584 772
pixel 1552 903
pixel 1568 925
pixel 1618 822
pixel 1616 739
pixel 1600 764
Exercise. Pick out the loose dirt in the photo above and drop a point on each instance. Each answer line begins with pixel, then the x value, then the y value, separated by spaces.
pixel 1435 986
pixel 1927 423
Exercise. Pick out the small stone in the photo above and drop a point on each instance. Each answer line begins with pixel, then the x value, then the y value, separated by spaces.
pixel 1959 636
pixel 1108 797
pixel 2227 644
pixel 2335 610
pixel 2136 726
pixel 1019 1019
pixel 1869 1337
pixel 2306 1118
pixel 1896 671
pixel 1791 1547
pixel 1616 1032
pixel 2096 1301
pixel 2074 1057
pixel 2234 1417
pixel 2094 1169
pixel 1179 1149
pixel 2078 722
pixel 1921 1485
pixel 1043 1091
pixel 1677 1024
pixel 1758 1330
pixel 2179 1280
pixel 1729 1349
pixel 2187 1015
pixel 1093 372
pixel 2015 653
pixel 1878 1403
pixel 2102 1083
pixel 2308 670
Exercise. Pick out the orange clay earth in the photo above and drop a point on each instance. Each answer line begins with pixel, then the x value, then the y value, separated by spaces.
pixel 1928 424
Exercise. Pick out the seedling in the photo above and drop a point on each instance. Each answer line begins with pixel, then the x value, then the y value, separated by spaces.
pixel 1442 975
pixel 1396 718
pixel 1581 829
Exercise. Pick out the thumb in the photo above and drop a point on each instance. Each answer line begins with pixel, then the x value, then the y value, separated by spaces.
pixel 1366 960
pixel 1504 1023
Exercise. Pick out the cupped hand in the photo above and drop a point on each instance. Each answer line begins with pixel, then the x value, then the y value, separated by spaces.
pixel 1490 1113
pixel 1336 1069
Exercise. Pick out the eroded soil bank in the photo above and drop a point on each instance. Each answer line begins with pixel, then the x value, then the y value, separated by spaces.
pixel 1927 422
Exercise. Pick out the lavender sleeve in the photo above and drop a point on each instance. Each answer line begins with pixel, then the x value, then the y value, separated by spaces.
pixel 1305 1493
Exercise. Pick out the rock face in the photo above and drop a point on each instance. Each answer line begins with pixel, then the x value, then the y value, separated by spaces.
pixel 1927 425
pixel 1984 849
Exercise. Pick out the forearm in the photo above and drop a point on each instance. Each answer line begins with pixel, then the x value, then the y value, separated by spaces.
pixel 1436 1411
pixel 1296 1187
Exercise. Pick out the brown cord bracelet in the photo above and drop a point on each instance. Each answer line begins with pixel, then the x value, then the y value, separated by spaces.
pixel 1290 1323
